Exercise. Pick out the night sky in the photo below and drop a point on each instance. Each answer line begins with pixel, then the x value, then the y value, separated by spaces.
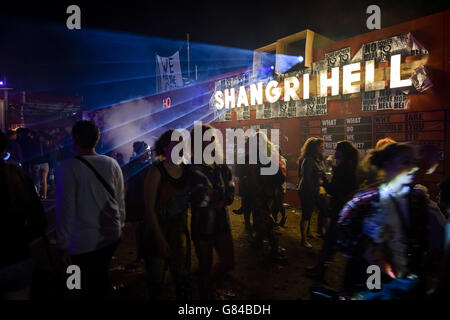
pixel 241 24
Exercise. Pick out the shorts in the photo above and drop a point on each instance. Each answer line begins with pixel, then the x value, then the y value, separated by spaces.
pixel 41 167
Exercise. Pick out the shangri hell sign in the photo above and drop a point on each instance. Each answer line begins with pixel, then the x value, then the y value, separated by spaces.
pixel 382 72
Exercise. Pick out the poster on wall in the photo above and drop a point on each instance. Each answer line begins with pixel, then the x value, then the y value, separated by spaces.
pixel 168 72
pixel 388 99
pixel 338 58
pixel 315 106
pixel 242 79
pixel 382 50
pixel 243 113
pixel 259 111
pixel 222 115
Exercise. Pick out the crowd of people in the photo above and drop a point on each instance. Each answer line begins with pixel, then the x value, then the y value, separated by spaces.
pixel 372 210
pixel 38 153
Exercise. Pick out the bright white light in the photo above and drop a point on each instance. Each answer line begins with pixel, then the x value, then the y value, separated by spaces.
pixel 256 93
pixel 333 82
pixel 229 98
pixel 273 93
pixel 291 86
pixel 371 84
pixel 349 77
pixel 272 67
pixel 300 59
pixel 306 86
pixel 396 82
pixel 218 97
pixel 242 97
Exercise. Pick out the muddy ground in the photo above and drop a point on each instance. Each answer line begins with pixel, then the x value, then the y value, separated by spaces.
pixel 253 277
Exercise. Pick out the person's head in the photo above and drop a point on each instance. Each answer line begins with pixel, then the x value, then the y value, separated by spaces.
pixel 85 135
pixel 313 147
pixel 31 134
pixel 163 146
pixel 141 150
pixel 3 143
pixel 346 154
pixel 397 160
pixel 383 142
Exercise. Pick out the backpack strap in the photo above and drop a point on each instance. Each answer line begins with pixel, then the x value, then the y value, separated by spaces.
pixel 99 177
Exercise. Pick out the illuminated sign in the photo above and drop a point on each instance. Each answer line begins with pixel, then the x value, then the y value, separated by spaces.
pixel 351 83
pixel 167 103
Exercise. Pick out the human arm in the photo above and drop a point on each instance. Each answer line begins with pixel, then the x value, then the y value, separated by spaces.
pixel 120 195
pixel 151 223
pixel 65 211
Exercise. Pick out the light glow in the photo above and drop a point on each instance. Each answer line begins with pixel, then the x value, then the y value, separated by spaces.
pixel 349 77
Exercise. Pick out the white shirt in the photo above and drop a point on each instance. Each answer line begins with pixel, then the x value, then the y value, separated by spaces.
pixel 87 218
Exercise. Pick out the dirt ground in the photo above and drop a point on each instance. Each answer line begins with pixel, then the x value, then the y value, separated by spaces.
pixel 254 278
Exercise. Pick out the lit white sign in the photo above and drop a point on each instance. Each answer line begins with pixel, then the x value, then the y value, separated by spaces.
pixel 351 83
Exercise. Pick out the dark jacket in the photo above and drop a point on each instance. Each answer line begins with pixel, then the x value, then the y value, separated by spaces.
pixel 22 215
pixel 342 187
pixel 310 172
pixel 210 184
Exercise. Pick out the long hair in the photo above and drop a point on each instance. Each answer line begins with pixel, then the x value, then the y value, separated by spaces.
pixel 350 155
pixel 215 139
pixel 161 144
pixel 309 149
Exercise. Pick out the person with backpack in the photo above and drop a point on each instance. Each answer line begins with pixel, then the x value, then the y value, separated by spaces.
pixel 165 239
pixel 90 211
